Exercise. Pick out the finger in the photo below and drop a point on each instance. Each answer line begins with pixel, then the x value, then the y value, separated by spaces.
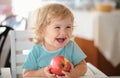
pixel 72 66
pixel 51 76
pixel 60 76
pixel 65 73
pixel 47 72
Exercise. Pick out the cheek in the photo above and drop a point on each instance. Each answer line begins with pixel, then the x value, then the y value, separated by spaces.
pixel 50 35
pixel 70 33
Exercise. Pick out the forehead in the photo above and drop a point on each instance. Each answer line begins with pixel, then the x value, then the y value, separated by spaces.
pixel 59 19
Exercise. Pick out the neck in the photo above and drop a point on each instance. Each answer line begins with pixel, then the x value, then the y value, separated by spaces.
pixel 49 47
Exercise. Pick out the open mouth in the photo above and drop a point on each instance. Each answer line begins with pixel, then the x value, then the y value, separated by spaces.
pixel 60 40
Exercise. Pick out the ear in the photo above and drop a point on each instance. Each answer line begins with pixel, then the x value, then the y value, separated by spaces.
pixel 42 31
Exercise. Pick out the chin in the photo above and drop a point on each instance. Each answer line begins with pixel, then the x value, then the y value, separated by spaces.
pixel 60 46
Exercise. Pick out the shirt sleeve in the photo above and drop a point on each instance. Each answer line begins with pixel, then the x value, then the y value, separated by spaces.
pixel 78 54
pixel 30 62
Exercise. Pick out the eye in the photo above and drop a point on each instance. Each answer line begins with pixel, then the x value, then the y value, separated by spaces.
pixel 57 27
pixel 69 27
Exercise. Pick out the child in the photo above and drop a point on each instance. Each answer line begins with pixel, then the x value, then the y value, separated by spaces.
pixel 53 30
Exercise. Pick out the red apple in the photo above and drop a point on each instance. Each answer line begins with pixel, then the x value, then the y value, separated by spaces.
pixel 59 64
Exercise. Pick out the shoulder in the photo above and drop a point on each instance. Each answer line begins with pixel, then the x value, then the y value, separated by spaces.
pixel 71 43
pixel 36 49
pixel 37 46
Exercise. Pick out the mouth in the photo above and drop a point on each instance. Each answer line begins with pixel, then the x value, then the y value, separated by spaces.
pixel 61 40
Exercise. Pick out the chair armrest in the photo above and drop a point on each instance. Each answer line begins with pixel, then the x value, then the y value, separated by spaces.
pixel 95 70
pixel 5 73
pixel 89 72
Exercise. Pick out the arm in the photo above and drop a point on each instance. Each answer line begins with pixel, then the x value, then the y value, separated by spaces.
pixel 43 72
pixel 81 68
pixel 33 73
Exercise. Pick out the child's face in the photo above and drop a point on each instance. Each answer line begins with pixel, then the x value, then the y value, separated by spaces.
pixel 58 33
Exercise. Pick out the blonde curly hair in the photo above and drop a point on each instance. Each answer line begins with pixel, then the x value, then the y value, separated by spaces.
pixel 44 16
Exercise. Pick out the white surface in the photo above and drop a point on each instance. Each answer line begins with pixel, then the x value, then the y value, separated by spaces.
pixel 5 73
pixel 104 29
pixel 107 36
pixel 114 76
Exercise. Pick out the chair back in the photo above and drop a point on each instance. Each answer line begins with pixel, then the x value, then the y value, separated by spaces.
pixel 20 45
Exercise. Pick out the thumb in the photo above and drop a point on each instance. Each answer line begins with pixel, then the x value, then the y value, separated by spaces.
pixel 64 72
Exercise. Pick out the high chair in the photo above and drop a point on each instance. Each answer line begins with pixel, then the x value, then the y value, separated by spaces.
pixel 20 45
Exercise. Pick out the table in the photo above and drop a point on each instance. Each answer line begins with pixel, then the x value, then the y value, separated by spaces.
pixel 95 76
pixel 107 36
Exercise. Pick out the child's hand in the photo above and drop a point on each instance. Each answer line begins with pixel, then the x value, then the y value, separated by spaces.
pixel 71 74
pixel 48 74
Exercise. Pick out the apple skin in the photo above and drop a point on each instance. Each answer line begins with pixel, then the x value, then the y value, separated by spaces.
pixel 59 64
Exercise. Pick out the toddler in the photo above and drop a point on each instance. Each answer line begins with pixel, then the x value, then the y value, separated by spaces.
pixel 53 28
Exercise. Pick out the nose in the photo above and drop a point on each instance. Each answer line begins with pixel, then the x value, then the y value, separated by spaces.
pixel 63 32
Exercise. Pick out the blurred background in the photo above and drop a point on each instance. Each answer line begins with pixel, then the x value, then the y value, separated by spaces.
pixel 97 29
